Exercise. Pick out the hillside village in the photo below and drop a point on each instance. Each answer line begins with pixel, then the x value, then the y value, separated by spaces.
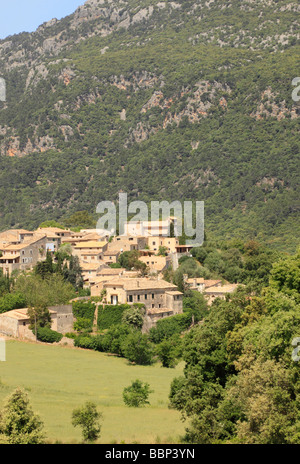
pixel 21 250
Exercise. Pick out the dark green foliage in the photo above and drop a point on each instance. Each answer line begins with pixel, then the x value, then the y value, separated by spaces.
pixel 136 395
pixel 80 220
pixel 88 418
pixel 240 382
pixel 72 272
pixel 169 351
pixel 84 341
pixel 114 339
pixel 138 349
pixel 134 316
pixel 83 324
pixel 130 260
pixel 109 315
pixel 46 335
pixel 84 309
pixel 12 301
pixel 45 268
pixel 170 326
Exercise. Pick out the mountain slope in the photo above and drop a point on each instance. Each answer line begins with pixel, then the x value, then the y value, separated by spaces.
pixel 163 100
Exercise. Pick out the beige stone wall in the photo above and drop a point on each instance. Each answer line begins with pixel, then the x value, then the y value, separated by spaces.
pixel 174 302
pixel 30 255
pixel 9 326
pixel 63 320
pixel 169 242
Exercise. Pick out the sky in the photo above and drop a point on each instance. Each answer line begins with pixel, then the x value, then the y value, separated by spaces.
pixel 27 15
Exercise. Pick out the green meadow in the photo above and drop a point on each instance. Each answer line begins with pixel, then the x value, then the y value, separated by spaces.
pixel 58 379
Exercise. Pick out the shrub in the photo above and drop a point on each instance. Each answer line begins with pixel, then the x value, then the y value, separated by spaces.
pixel 169 351
pixel 88 418
pixel 47 335
pixel 72 335
pixel 82 324
pixel 136 395
pixel 138 349
pixel 166 328
pixel 113 340
pixel 84 341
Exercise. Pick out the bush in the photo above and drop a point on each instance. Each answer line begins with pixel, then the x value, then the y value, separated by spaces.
pixel 166 328
pixel 138 349
pixel 113 340
pixel 71 335
pixel 82 324
pixel 88 418
pixel 46 335
pixel 136 395
pixel 84 341
pixel 169 351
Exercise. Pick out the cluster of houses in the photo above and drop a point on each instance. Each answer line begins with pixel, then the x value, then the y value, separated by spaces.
pixel 21 250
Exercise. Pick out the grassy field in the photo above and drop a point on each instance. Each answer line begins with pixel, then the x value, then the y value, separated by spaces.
pixel 58 379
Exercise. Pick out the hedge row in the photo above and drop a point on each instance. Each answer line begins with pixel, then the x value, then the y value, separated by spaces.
pixel 111 315
pixel 84 309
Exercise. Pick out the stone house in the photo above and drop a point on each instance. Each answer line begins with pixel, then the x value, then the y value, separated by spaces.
pixel 16 323
pixel 23 256
pixel 90 251
pixel 152 293
pixel 214 292
pixel 170 243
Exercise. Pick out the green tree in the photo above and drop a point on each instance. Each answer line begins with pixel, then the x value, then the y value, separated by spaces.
pixel 51 223
pixel 134 316
pixel 18 423
pixel 80 219
pixel 88 418
pixel 169 351
pixel 73 272
pixel 45 268
pixel 137 394
pixel 138 349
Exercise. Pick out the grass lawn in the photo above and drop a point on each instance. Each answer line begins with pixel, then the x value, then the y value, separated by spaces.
pixel 58 379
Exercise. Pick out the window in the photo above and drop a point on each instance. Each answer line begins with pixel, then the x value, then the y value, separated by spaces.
pixel 146 296
pixel 152 306
pixel 130 298
pixel 152 296
pixel 138 297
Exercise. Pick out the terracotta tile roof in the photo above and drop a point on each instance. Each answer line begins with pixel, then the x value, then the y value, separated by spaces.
pixel 91 244
pixel 141 284
pixel 223 289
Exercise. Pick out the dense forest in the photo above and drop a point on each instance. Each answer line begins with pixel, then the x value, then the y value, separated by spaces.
pixel 185 100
